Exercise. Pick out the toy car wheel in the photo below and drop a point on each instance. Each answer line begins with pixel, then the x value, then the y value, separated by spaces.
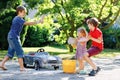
pixel 37 66
pixel 56 67
pixel 25 65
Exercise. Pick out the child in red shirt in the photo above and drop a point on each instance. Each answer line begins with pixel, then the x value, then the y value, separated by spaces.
pixel 95 35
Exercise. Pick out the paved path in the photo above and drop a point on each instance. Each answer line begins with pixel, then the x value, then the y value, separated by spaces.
pixel 110 71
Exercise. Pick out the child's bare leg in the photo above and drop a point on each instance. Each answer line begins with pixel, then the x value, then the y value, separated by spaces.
pixel 20 60
pixel 6 58
pixel 2 65
pixel 87 59
pixel 81 64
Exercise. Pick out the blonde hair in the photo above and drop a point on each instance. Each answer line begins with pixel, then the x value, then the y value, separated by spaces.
pixel 83 31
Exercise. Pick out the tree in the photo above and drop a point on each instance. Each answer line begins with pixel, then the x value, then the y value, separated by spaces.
pixel 71 13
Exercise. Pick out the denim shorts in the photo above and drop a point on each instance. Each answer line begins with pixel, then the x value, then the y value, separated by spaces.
pixel 15 47
pixel 92 51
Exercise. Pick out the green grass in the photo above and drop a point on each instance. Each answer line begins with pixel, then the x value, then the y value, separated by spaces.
pixel 108 53
pixel 2 54
pixel 63 52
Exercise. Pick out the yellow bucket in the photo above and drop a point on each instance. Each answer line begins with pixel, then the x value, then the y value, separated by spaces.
pixel 69 66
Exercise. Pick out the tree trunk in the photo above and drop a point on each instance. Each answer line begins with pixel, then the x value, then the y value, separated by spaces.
pixel 111 23
pixel 70 48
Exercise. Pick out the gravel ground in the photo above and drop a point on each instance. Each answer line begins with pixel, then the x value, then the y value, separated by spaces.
pixel 110 71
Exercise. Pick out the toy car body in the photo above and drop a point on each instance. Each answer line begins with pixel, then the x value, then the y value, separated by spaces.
pixel 41 59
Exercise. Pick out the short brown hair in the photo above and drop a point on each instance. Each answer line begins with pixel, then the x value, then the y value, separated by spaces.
pixel 93 21
pixel 20 9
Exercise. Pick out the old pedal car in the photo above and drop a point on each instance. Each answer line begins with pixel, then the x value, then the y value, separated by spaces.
pixel 41 59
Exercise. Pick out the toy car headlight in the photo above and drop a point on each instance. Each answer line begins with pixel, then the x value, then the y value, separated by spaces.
pixel 44 60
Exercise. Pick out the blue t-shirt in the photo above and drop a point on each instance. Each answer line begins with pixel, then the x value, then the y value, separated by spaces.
pixel 16 27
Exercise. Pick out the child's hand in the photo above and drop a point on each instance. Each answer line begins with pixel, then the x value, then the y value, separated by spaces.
pixel 89 37
pixel 41 20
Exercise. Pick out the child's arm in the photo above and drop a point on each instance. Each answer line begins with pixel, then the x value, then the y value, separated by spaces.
pixel 36 22
pixel 74 45
pixel 98 40
pixel 83 40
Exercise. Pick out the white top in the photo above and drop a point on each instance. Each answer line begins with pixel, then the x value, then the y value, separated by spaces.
pixel 83 39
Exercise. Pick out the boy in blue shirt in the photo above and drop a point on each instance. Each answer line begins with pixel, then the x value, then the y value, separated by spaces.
pixel 14 37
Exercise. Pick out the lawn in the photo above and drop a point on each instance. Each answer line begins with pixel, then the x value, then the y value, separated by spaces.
pixel 63 52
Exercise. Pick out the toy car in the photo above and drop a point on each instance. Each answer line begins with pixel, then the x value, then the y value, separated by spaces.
pixel 41 59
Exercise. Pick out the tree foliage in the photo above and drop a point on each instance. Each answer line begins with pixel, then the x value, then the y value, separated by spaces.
pixel 71 13
pixel 33 3
pixel 7 12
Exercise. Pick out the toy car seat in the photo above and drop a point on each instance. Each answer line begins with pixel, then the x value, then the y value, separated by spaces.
pixel 41 50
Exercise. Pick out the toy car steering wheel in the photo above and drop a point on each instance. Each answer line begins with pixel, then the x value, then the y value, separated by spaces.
pixel 41 50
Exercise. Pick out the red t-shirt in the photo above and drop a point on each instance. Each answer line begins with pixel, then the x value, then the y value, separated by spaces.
pixel 96 34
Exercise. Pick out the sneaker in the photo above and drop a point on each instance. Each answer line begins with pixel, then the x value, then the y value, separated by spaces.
pixel 92 73
pixel 98 69
pixel 82 72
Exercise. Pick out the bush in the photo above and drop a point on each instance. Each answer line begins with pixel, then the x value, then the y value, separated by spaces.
pixel 6 20
pixel 7 12
pixel 111 38
pixel 36 36
pixel 109 41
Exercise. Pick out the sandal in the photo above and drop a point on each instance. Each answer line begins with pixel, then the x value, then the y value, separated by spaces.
pixel 82 72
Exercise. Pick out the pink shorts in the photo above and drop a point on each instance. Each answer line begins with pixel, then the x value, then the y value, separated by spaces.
pixel 92 51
